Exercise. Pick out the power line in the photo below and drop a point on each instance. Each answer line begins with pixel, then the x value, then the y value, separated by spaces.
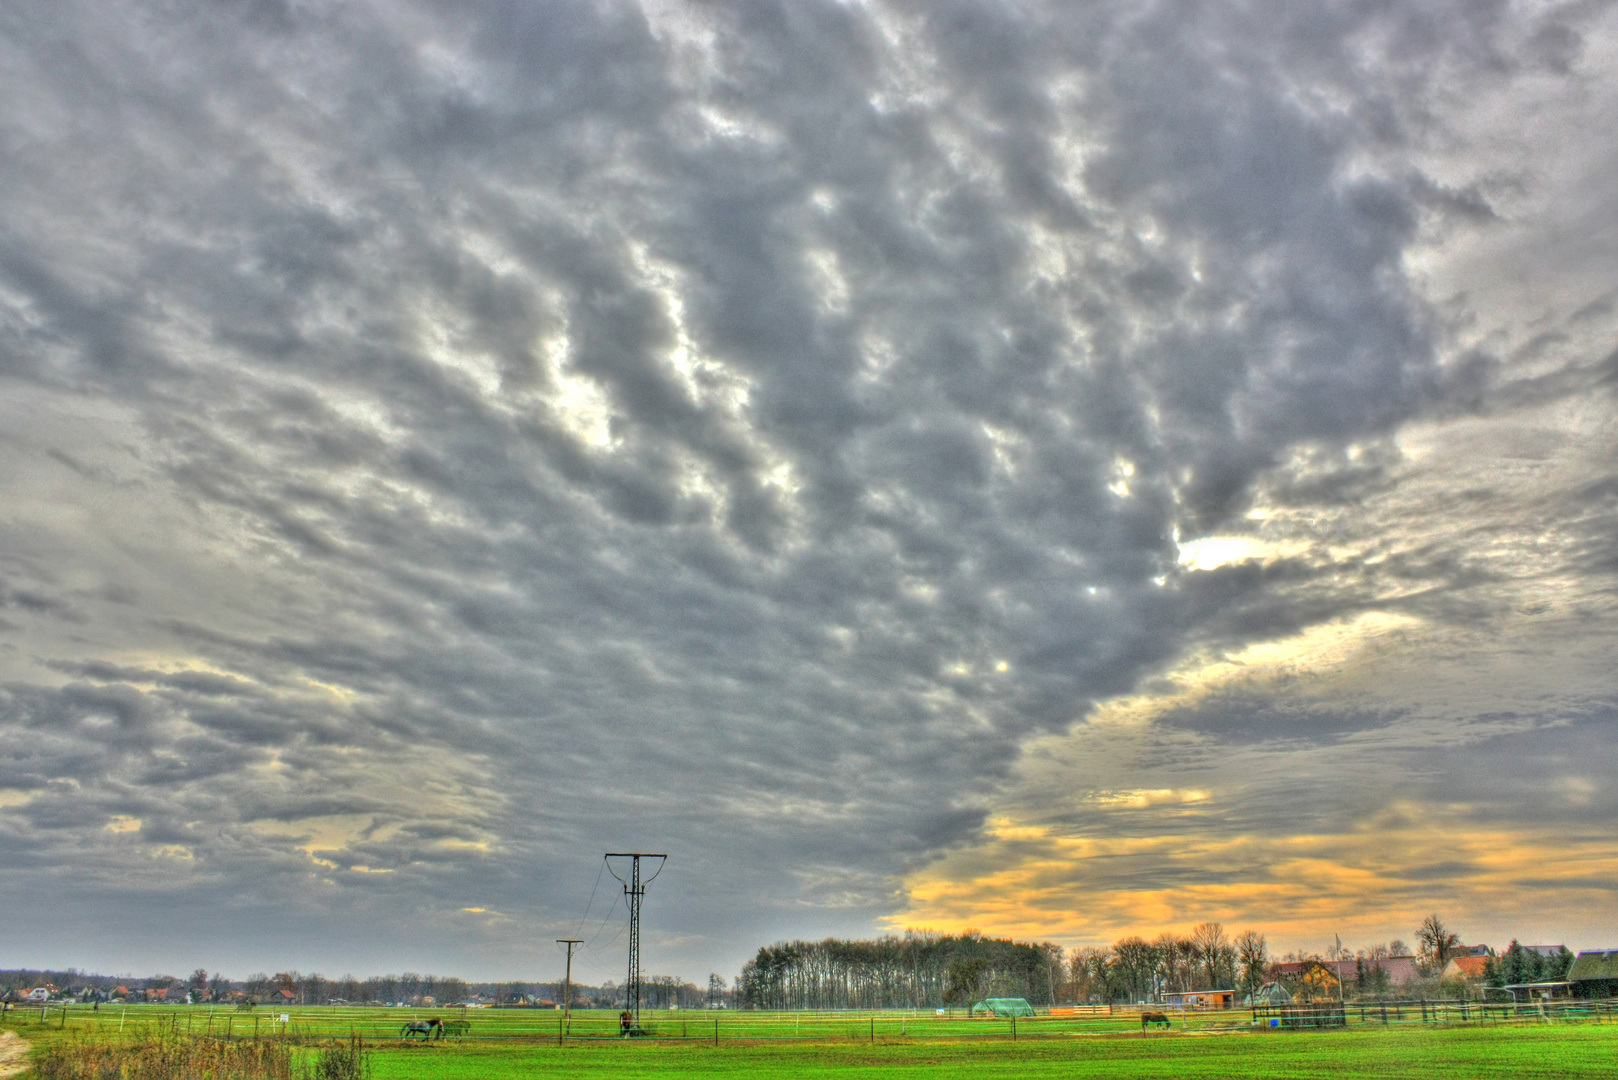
pixel 599 870
pixel 603 926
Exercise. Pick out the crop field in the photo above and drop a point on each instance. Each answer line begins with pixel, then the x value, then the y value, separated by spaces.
pixel 517 1043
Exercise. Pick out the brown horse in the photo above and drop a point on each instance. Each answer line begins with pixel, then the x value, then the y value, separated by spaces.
pixel 1153 1018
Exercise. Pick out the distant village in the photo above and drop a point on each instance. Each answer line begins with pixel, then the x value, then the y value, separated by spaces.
pixel 23 986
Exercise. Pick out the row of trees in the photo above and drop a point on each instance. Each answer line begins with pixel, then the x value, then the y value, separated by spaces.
pixel 1517 966
pixel 918 970
pixel 315 988
pixel 1135 969
pixel 926 970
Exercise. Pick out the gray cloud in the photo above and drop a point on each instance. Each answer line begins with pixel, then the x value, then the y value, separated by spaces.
pixel 453 444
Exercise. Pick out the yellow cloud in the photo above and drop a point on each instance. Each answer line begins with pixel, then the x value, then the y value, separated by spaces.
pixel 1375 879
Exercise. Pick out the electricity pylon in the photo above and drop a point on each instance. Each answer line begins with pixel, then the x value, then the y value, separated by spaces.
pixel 634 889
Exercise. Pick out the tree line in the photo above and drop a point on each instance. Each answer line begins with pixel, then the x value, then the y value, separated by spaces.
pixel 927 970
pixel 917 970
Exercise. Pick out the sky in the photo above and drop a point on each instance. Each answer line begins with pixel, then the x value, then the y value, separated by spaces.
pixel 1060 470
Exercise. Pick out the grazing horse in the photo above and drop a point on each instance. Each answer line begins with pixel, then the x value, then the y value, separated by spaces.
pixel 1153 1018
pixel 456 1027
pixel 427 1029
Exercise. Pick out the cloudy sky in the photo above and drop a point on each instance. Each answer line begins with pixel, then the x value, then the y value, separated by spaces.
pixel 1058 469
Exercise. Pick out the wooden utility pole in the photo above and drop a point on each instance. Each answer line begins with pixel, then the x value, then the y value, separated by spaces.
pixel 567 982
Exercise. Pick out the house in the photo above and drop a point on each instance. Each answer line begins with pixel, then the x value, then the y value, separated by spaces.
pixel 1471 950
pixel 1594 973
pixel 1545 950
pixel 283 996
pixel 1468 968
pixel 1400 970
pixel 1201 999
pixel 1310 980
pixel 39 993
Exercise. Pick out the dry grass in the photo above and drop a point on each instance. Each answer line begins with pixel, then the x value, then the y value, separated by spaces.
pixel 177 1057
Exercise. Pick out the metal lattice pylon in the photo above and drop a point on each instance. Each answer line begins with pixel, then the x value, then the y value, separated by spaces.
pixel 634 890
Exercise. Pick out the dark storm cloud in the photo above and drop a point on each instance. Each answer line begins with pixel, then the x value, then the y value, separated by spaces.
pixel 729 427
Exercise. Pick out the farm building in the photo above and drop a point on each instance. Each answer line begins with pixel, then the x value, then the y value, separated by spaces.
pixel 1468 968
pixel 1594 974
pixel 1399 969
pixel 1539 991
pixel 1201 999
pixel 1003 1007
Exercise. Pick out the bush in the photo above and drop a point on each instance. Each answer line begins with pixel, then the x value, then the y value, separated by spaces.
pixel 177 1057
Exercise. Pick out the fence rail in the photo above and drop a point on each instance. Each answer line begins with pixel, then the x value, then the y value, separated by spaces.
pixel 311 1023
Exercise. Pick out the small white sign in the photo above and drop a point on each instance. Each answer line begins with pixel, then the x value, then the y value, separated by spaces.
pixel 285 1018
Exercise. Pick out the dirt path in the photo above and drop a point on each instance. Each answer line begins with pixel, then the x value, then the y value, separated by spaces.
pixel 13 1054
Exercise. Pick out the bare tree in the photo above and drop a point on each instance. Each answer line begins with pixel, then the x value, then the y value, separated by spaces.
pixel 1214 951
pixel 1250 956
pixel 1437 943
pixel 1087 973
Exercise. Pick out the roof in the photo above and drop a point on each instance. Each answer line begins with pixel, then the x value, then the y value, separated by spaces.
pixel 1271 994
pixel 1544 950
pixel 1293 969
pixel 1467 967
pixel 1197 993
pixel 1594 964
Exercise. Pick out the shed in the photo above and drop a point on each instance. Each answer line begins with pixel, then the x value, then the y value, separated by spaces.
pixel 1003 1007
pixel 1200 999
pixel 1594 973
pixel 1538 991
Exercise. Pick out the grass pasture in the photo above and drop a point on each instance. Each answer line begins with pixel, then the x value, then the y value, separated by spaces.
pixel 523 1043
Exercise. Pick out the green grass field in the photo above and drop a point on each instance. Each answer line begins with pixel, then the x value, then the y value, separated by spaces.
pixel 522 1043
